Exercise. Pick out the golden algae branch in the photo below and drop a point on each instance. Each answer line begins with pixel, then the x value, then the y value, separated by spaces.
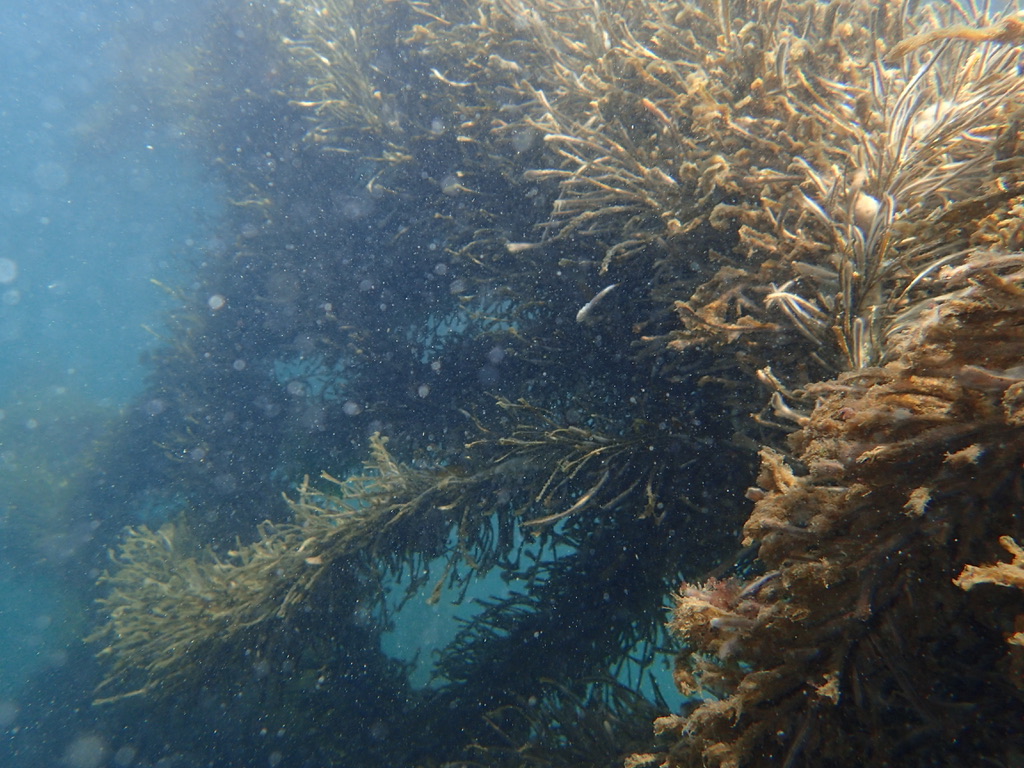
pixel 173 607
pixel 887 159
pixel 1009 30
pixel 1006 575
pixel 348 94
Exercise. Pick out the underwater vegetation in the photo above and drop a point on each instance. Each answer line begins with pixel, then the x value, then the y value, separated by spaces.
pixel 855 642
pixel 529 289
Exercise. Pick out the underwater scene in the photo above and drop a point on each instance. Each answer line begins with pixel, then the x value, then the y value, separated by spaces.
pixel 511 383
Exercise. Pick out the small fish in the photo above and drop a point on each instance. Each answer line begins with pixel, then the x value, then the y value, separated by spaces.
pixel 446 81
pixel 587 308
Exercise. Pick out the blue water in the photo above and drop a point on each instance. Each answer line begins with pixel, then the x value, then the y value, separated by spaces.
pixel 98 199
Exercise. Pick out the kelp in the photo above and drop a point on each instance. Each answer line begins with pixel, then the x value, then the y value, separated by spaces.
pixel 578 263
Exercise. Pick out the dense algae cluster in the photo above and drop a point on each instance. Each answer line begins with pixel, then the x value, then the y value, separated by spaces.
pixel 560 270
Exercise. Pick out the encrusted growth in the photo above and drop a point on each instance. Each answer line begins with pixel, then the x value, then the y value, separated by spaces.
pixel 854 637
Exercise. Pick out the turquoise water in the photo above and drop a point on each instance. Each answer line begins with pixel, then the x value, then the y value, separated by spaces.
pixel 98 199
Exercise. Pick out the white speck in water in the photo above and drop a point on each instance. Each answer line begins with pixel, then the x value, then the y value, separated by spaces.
pixel 8 270
pixel 50 176
pixel 125 756
pixel 8 713
pixel 88 750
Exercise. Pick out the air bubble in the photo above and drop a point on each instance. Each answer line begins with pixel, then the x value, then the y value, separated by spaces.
pixel 8 271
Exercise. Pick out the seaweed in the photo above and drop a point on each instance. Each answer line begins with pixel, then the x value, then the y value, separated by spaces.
pixel 855 644
pixel 564 271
